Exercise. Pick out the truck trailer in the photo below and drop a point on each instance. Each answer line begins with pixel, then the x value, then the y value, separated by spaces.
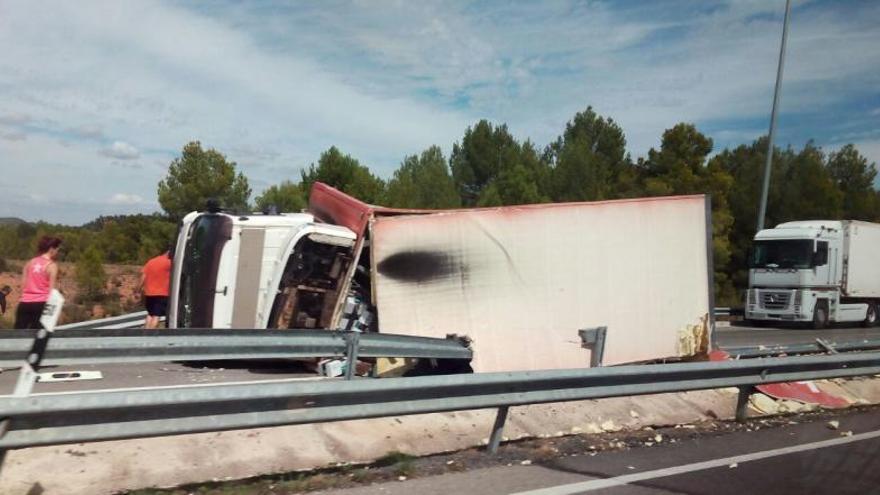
pixel 815 271
pixel 517 281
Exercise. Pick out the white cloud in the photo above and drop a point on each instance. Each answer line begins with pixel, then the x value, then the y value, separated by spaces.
pixel 272 85
pixel 72 183
pixel 90 131
pixel 121 151
pixel 125 199
pixel 649 66
pixel 871 150
pixel 14 136
pixel 218 85
pixel 15 118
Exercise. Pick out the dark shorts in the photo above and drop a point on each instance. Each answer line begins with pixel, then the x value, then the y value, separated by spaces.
pixel 156 305
pixel 27 315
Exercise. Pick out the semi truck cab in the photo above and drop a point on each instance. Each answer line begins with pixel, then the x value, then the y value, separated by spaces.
pixel 799 272
pixel 259 271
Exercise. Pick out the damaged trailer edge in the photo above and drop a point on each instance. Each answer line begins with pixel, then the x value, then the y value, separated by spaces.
pixel 519 281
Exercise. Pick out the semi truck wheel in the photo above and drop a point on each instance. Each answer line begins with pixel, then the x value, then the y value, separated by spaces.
pixel 820 315
pixel 871 316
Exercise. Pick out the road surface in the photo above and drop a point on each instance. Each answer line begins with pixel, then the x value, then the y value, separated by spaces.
pixel 800 458
pixel 741 336
pixel 162 374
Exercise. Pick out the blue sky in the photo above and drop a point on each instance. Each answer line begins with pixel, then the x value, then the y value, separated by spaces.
pixel 98 97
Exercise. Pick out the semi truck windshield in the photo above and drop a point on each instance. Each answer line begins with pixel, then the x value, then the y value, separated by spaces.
pixel 788 253
pixel 198 279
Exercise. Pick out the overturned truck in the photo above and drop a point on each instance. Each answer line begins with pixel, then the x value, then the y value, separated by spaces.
pixel 517 281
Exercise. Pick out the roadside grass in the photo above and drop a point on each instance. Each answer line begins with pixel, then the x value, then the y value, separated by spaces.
pixel 392 458
pixel 392 465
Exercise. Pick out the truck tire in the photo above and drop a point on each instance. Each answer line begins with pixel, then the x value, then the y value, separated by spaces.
pixel 820 315
pixel 871 316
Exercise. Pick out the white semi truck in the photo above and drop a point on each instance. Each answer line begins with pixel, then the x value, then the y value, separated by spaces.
pixel 518 281
pixel 815 271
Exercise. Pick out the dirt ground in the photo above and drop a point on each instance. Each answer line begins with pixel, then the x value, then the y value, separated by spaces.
pixel 121 292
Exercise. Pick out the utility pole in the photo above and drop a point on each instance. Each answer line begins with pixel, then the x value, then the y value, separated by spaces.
pixel 766 188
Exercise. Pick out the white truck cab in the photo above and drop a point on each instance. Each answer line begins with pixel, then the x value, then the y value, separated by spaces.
pixel 258 271
pixel 817 271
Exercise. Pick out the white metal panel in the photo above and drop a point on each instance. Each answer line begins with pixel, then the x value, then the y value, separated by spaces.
pixel 812 224
pixel 863 259
pixel 277 238
pixel 521 281
pixel 227 272
pixel 247 284
pixel 177 266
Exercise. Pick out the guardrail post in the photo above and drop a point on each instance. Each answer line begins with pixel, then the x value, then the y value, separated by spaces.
pixel 497 429
pixel 594 340
pixel 742 402
pixel 4 427
pixel 27 375
pixel 351 353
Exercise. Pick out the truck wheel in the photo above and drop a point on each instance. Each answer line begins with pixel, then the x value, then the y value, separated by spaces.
pixel 820 315
pixel 871 316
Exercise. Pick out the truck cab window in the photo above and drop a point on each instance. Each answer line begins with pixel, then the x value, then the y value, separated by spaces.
pixel 785 254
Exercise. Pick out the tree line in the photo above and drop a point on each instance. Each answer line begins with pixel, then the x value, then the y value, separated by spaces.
pixel 489 167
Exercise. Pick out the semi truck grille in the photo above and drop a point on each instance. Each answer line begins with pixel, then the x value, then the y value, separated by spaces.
pixel 775 300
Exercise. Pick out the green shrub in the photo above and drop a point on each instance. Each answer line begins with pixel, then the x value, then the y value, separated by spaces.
pixel 90 276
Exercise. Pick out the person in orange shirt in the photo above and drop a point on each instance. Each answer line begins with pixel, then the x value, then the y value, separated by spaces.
pixel 155 283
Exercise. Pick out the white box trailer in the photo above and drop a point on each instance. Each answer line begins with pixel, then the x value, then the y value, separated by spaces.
pixel 521 280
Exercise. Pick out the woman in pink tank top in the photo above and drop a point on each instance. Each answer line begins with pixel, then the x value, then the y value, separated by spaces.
pixel 37 281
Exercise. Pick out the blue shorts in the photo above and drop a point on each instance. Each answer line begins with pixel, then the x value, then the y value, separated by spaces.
pixel 156 305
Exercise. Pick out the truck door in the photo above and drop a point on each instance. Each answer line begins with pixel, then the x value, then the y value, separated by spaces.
pixel 823 266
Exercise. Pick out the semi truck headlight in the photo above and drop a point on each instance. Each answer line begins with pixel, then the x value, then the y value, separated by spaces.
pixel 753 296
pixel 798 295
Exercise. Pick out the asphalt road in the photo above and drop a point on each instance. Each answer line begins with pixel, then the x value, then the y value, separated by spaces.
pixel 163 374
pixel 739 336
pixel 796 459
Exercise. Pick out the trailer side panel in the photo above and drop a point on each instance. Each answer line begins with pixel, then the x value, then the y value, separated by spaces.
pixel 863 260
pixel 521 281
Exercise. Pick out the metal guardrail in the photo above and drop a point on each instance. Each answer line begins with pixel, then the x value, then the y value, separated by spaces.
pixel 818 346
pixel 130 320
pixel 727 312
pixel 127 346
pixel 72 417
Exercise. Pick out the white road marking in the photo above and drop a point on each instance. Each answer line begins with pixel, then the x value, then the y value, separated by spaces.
pixel 597 484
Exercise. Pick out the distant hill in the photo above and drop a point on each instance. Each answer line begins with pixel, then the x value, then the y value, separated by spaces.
pixel 11 221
